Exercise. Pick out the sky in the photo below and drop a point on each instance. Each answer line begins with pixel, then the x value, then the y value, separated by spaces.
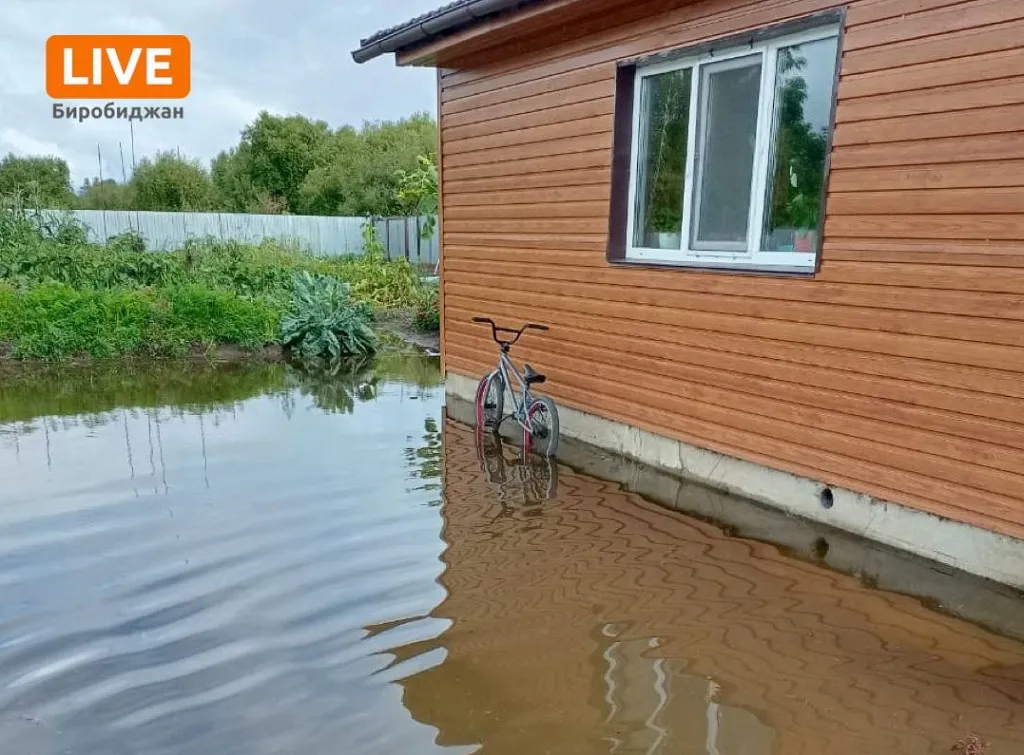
pixel 247 55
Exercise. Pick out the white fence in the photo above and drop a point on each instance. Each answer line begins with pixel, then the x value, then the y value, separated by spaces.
pixel 323 235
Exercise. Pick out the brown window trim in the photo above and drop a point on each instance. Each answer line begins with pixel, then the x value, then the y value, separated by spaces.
pixel 622 142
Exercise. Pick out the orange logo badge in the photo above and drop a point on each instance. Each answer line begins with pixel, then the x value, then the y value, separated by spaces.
pixel 117 67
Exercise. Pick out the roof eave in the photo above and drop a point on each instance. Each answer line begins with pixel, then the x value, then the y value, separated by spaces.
pixel 446 21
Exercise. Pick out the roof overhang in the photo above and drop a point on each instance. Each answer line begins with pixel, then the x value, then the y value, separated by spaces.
pixel 442 23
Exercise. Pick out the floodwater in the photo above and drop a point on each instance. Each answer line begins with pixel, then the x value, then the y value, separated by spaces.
pixel 251 560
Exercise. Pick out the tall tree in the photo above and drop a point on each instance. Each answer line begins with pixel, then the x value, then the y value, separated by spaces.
pixel 279 152
pixel 799 158
pixel 43 181
pixel 362 174
pixel 169 182
pixel 107 194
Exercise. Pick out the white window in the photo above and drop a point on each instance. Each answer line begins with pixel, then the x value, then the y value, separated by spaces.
pixel 728 155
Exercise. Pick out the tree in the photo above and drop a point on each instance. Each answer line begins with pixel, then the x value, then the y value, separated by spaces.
pixel 171 183
pixel 278 153
pixel 799 159
pixel 667 99
pixel 362 170
pixel 417 191
pixel 107 194
pixel 41 181
pixel 233 188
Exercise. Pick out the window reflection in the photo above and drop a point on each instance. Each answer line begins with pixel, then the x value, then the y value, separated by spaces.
pixel 665 113
pixel 804 83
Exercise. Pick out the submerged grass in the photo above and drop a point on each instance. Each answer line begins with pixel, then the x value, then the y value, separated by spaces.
pixel 61 296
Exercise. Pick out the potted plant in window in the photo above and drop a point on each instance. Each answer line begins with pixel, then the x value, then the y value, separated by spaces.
pixel 804 212
pixel 664 229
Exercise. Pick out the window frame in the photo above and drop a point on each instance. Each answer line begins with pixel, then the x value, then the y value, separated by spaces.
pixel 765 43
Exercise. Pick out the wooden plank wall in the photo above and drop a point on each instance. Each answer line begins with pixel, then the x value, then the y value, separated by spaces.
pixel 897 371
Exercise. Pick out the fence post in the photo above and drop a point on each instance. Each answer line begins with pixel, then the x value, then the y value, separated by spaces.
pixel 419 240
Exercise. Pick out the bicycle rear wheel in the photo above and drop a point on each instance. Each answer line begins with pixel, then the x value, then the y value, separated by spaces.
pixel 542 421
pixel 490 401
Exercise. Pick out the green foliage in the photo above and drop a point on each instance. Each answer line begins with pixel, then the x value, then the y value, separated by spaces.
pixel 281 164
pixel 280 152
pixel 417 191
pixel 41 181
pixel 55 321
pixel 799 153
pixel 43 247
pixel 360 171
pixel 62 296
pixel 168 182
pixel 428 314
pixel 385 284
pixel 666 100
pixel 106 194
pixel 292 164
pixel 323 321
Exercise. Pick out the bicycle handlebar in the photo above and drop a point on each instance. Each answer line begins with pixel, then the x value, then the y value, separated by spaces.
pixel 518 333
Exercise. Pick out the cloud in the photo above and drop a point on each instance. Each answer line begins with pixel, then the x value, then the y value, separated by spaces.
pixel 248 55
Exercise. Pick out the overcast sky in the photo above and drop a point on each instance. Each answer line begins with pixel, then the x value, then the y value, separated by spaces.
pixel 286 56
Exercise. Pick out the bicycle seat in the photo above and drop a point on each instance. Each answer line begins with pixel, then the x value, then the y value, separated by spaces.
pixel 531 377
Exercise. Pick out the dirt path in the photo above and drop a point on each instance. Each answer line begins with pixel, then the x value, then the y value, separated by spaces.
pixel 400 324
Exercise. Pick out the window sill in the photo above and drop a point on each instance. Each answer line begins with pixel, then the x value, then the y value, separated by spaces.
pixel 707 266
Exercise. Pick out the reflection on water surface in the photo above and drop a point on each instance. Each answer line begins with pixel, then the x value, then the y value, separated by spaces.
pixel 248 559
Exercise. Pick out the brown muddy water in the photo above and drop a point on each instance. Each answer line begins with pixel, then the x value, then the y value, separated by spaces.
pixel 245 559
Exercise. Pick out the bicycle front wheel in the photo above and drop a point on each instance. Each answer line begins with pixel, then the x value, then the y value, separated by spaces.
pixel 541 432
pixel 490 401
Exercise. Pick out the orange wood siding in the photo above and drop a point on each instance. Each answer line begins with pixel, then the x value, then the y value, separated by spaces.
pixel 897 371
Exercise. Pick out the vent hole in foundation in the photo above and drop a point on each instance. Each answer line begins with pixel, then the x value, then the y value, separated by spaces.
pixel 827 499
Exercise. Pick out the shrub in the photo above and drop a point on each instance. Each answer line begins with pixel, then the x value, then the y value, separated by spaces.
pixel 324 322
pixel 130 241
pixel 428 314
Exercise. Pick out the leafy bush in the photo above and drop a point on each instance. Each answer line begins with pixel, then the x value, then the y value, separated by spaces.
pixel 428 314
pixel 324 321
pixel 129 241
pixel 417 190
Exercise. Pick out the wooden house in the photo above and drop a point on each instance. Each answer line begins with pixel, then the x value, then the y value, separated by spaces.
pixel 778 243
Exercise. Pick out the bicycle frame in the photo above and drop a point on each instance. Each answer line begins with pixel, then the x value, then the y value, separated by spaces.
pixel 523 400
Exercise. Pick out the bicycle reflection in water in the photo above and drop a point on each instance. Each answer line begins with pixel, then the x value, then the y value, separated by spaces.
pixel 518 477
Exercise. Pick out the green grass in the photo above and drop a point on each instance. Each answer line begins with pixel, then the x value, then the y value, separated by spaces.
pixel 54 320
pixel 61 296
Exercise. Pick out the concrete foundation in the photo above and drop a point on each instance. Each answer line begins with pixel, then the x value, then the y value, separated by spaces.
pixel 953 544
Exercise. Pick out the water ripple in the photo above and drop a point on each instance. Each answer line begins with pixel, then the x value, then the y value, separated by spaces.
pixel 178 602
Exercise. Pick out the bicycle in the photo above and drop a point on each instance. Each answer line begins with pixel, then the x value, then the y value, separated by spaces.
pixel 537 415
